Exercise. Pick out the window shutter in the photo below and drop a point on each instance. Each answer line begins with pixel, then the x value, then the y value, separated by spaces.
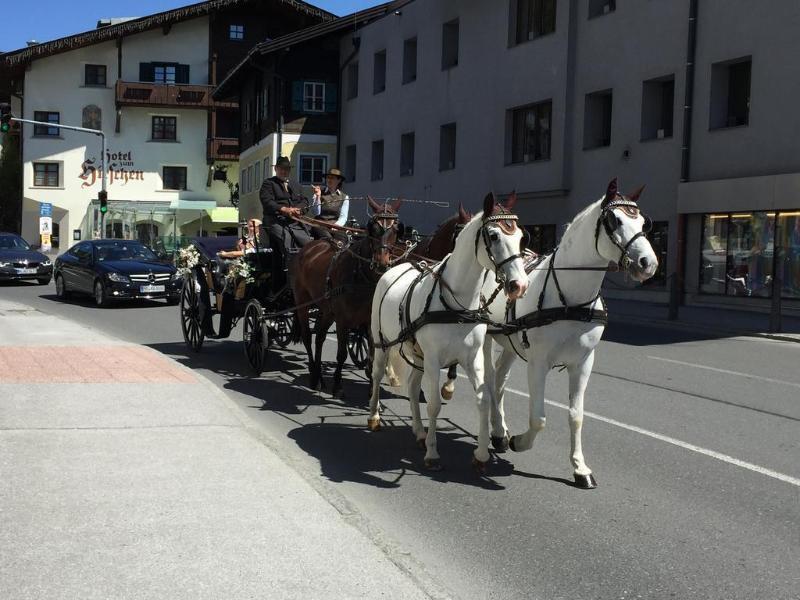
pixel 330 97
pixel 146 72
pixel 297 96
pixel 182 74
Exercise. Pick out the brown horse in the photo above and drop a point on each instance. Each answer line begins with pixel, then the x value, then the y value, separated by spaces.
pixel 340 281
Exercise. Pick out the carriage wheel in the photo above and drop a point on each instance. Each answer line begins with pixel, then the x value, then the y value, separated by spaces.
pixel 282 330
pixel 358 348
pixel 190 315
pixel 255 336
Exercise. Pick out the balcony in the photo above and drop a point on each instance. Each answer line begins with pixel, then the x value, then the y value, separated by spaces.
pixel 223 149
pixel 168 96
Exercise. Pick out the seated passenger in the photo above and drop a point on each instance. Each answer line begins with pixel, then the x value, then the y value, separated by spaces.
pixel 247 243
pixel 331 204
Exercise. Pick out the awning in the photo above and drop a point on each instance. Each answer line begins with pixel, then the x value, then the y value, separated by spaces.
pixel 193 204
pixel 225 214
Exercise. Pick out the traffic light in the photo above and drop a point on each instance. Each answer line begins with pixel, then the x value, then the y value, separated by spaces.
pixel 5 117
pixel 102 195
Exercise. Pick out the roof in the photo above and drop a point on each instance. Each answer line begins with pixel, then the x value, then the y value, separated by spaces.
pixel 137 25
pixel 352 21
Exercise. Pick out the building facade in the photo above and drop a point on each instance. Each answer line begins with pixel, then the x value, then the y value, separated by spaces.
pixel 446 100
pixel 171 161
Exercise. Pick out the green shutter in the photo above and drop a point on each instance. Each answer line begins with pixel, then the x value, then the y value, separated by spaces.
pixel 182 74
pixel 330 97
pixel 297 96
pixel 146 72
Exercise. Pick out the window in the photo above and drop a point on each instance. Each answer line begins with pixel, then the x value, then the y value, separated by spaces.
pixel 174 178
pixel 48 117
pixel 312 168
pixel 658 101
pixel 410 60
pixel 236 32
pixel 450 44
pixel 352 80
pixel 313 97
pixel 45 174
pixel 265 102
pixel 350 162
pixel 542 238
pixel 91 117
pixel 533 18
pixel 730 94
pixel 267 169
pixel 530 132
pixel 246 114
pixel 737 253
pixel 447 147
pixel 94 75
pixel 377 161
pixel 597 120
pixel 658 237
pixel 379 72
pixel 164 128
pixel 166 73
pixel 256 175
pixel 407 154
pixel 251 180
pixel 601 7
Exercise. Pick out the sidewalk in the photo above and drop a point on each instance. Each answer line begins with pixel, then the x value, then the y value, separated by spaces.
pixel 711 320
pixel 125 475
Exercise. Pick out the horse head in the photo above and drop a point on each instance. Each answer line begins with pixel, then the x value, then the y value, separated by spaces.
pixel 625 241
pixel 501 245
pixel 382 231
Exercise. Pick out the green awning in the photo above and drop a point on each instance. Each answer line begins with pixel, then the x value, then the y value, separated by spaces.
pixel 193 204
pixel 225 214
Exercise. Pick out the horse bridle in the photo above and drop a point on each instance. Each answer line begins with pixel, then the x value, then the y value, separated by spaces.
pixel 483 233
pixel 605 218
pixel 378 219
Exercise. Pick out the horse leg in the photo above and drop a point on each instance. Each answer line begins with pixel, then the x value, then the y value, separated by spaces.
pixel 502 369
pixel 430 379
pixel 482 381
pixel 537 375
pixel 320 331
pixel 378 366
pixel 578 379
pixel 414 383
pixel 341 355
pixel 450 385
pixel 393 368
pixel 305 332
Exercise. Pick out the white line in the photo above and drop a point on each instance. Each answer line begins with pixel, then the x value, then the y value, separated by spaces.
pixel 746 375
pixel 664 438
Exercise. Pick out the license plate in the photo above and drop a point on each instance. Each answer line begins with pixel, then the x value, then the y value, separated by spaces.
pixel 26 271
pixel 152 288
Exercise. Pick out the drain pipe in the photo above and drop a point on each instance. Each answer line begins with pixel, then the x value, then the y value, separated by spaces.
pixel 677 283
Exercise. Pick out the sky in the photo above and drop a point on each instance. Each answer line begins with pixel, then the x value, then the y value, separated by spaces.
pixel 51 19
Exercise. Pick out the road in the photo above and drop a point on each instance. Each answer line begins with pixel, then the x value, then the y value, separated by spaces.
pixel 693 440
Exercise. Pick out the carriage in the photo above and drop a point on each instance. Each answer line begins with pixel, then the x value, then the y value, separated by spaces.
pixel 253 289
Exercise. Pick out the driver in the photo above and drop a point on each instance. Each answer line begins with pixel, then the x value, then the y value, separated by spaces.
pixel 280 203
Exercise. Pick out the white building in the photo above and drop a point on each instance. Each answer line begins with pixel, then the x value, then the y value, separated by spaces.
pixel 172 151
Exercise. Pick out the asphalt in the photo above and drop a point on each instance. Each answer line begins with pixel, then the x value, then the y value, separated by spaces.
pixel 127 475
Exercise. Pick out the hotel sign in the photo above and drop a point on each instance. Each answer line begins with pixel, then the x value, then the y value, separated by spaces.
pixel 121 169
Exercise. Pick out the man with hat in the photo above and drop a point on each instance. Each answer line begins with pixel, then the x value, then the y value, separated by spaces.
pixel 331 204
pixel 280 203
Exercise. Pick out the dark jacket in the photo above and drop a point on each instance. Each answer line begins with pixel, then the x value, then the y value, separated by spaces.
pixel 274 197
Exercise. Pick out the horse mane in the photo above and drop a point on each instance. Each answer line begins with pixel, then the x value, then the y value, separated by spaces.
pixel 579 219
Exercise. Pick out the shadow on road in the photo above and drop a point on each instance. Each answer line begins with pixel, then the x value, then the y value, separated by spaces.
pixel 636 334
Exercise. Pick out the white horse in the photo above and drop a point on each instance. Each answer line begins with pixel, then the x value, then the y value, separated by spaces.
pixel 434 319
pixel 562 318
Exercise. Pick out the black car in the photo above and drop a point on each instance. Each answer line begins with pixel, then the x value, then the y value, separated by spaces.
pixel 115 270
pixel 19 261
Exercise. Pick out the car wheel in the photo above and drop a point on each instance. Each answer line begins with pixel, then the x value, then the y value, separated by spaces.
pixel 61 288
pixel 100 298
pixel 44 281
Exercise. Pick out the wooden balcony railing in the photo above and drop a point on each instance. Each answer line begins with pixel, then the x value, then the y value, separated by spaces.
pixel 167 96
pixel 223 149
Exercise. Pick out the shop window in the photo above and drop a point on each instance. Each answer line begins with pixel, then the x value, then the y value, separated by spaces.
pixel 598 8
pixel 450 44
pixel 350 162
pixel 597 120
pixel 407 154
pixel 658 101
pixel 789 245
pixel 730 94
pixel 530 132
pixel 379 72
pixel 447 147
pixel 658 237
pixel 532 19
pixel 410 60
pixel 377 160
pixel 312 169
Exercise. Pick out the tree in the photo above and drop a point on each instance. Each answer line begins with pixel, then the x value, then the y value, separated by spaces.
pixel 10 185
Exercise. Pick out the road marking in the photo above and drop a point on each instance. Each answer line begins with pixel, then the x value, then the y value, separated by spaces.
pixel 726 371
pixel 670 440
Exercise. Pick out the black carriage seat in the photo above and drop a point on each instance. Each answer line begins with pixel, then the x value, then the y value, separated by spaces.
pixel 208 248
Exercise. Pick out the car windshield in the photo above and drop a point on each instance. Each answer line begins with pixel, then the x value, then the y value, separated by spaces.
pixel 13 242
pixel 123 251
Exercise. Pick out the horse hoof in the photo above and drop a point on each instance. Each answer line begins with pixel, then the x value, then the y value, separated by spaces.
pixel 421 444
pixel 585 482
pixel 433 464
pixel 479 466
pixel 513 444
pixel 374 424
pixel 501 444
pixel 447 394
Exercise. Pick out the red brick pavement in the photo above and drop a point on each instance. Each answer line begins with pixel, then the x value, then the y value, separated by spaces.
pixel 88 364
